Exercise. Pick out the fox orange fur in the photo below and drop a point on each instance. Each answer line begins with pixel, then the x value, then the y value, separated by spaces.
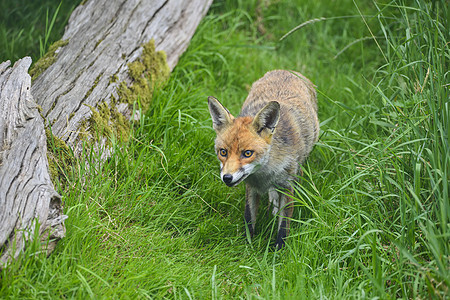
pixel 265 145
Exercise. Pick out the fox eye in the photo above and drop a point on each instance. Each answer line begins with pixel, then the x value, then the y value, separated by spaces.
pixel 223 152
pixel 247 153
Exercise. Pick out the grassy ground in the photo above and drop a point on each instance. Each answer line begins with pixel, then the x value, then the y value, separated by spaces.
pixel 372 211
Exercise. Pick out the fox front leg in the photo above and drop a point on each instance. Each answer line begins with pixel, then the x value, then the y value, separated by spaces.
pixel 251 208
pixel 287 208
pixel 274 199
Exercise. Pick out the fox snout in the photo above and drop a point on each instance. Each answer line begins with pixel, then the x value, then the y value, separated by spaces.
pixel 233 179
pixel 236 165
pixel 227 178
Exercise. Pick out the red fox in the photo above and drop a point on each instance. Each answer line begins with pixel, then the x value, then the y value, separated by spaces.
pixel 265 145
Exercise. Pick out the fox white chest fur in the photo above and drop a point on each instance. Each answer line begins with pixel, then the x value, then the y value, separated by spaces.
pixel 265 145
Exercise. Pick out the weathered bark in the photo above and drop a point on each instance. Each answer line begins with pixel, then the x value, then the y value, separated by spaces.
pixel 26 191
pixel 103 38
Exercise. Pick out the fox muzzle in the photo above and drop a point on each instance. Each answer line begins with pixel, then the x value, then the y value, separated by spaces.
pixel 233 180
pixel 227 178
pixel 238 176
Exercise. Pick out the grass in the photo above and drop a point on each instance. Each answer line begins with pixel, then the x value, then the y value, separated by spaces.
pixel 371 217
pixel 27 28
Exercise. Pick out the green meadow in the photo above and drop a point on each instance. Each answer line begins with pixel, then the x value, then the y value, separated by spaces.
pixel 371 217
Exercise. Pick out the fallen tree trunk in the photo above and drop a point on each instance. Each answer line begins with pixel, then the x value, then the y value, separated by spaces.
pixel 107 60
pixel 112 54
pixel 26 191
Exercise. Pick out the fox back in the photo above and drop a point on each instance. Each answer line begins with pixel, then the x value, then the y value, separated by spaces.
pixel 274 133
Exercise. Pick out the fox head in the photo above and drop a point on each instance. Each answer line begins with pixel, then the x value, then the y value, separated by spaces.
pixel 243 143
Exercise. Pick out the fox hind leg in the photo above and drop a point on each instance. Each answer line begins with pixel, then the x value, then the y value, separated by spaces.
pixel 251 208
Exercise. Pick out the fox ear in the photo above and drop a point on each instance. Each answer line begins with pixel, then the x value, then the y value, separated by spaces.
pixel 267 119
pixel 221 117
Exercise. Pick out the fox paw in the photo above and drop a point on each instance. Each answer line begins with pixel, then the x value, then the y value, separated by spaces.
pixel 279 243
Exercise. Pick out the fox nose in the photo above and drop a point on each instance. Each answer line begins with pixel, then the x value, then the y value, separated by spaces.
pixel 227 178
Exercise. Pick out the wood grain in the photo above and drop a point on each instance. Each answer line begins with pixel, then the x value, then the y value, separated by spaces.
pixel 26 191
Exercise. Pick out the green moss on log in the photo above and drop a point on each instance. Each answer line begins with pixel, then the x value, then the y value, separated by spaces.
pixel 47 60
pixel 148 72
pixel 107 121
pixel 60 157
